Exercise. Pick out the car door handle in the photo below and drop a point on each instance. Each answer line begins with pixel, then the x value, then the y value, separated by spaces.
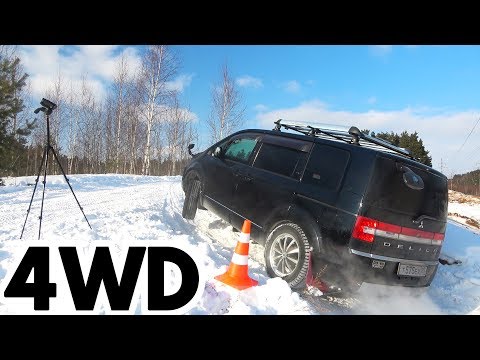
pixel 246 178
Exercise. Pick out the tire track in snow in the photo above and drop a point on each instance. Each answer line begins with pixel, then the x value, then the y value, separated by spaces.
pixel 138 211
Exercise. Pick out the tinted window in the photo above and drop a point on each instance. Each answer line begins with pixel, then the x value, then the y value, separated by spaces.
pixel 280 160
pixel 240 149
pixel 326 167
pixel 387 190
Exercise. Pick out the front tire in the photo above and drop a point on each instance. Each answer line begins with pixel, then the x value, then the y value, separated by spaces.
pixel 287 254
pixel 192 194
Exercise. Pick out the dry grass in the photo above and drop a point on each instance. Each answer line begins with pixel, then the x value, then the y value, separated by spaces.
pixel 473 222
pixel 456 196
pixel 469 221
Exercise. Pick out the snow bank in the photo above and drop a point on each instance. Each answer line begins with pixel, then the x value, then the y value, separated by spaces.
pixel 126 207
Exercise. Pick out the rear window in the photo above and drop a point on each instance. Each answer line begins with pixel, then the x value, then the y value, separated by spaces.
pixel 388 191
pixel 280 160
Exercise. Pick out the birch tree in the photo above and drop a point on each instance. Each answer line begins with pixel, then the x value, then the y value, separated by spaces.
pixel 159 65
pixel 227 112
pixel 120 84
pixel 133 133
pixel 178 132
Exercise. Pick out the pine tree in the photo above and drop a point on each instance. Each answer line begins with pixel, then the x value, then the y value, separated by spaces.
pixel 12 138
pixel 405 140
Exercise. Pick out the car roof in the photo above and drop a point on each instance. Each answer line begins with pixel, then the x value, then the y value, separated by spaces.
pixel 344 145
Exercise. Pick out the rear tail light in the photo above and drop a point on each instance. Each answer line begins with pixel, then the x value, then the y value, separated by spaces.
pixel 417 233
pixel 365 229
pixel 395 229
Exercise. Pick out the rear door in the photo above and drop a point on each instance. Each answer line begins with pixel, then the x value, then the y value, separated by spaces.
pixel 420 212
pixel 272 179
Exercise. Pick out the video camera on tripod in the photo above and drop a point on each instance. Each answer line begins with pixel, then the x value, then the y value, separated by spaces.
pixel 47 107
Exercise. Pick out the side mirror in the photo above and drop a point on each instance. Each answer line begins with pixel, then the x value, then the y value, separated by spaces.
pixel 412 180
pixel 217 152
pixel 190 147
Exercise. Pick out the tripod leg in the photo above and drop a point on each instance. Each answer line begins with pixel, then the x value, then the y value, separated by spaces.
pixel 43 193
pixel 35 188
pixel 68 182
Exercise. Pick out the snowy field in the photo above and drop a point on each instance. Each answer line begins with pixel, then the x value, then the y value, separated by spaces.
pixel 125 208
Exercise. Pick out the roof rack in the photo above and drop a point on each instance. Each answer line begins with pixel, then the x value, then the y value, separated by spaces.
pixel 350 135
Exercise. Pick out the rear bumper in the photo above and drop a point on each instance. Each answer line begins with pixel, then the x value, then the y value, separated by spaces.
pixel 362 270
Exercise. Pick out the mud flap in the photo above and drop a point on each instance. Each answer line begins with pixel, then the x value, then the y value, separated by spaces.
pixel 315 281
pixel 448 260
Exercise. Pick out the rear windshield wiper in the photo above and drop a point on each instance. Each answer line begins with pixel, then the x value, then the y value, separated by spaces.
pixel 419 219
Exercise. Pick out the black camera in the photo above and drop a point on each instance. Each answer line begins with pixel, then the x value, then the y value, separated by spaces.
pixel 48 104
pixel 47 107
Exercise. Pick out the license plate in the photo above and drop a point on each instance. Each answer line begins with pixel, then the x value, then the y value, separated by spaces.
pixel 412 270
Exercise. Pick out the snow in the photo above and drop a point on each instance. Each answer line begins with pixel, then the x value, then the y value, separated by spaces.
pixel 125 208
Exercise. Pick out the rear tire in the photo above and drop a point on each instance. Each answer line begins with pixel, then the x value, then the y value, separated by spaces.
pixel 192 194
pixel 287 254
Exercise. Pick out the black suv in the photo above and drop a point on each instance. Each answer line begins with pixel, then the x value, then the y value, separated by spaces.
pixel 360 207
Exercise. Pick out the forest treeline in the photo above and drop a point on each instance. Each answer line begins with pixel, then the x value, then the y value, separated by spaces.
pixel 139 127
pixel 468 183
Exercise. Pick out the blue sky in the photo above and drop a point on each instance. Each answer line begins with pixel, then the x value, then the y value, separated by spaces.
pixel 430 89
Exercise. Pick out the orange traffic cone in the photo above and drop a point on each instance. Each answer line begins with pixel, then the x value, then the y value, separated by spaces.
pixel 237 273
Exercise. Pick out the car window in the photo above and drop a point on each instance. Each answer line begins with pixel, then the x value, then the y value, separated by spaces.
pixel 326 167
pixel 387 190
pixel 279 159
pixel 240 149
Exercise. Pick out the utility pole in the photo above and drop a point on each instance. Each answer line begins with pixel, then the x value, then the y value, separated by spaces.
pixel 478 165
pixel 451 182
pixel 441 165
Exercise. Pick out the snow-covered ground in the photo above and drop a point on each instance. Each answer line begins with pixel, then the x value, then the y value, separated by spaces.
pixel 125 207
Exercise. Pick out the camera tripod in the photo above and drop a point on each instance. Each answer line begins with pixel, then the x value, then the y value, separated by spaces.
pixel 47 107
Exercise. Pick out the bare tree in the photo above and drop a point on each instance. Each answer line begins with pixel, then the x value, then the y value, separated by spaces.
pixel 227 110
pixel 133 133
pixel 72 127
pixel 178 132
pixel 159 65
pixel 58 119
pixel 88 127
pixel 140 127
pixel 120 84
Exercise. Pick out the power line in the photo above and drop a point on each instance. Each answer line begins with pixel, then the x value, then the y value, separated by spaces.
pixel 473 152
pixel 468 136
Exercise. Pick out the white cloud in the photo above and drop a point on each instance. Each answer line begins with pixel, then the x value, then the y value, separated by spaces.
pixel 292 86
pixel 249 81
pixel 310 82
pixel 180 83
pixel 98 62
pixel 372 100
pixel 442 131
pixel 381 50
pixel 260 108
